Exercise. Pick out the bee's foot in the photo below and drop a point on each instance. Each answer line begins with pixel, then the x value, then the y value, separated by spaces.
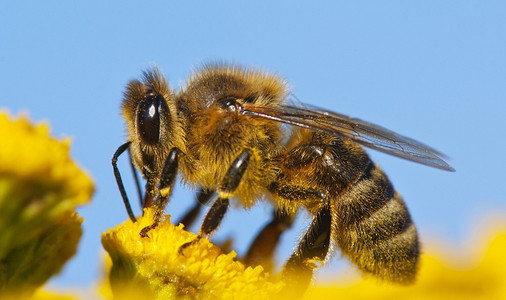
pixel 186 245
pixel 145 230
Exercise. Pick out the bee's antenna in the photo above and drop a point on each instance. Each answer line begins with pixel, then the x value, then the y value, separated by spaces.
pixel 118 152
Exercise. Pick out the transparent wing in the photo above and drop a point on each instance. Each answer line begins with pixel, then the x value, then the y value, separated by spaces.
pixel 365 133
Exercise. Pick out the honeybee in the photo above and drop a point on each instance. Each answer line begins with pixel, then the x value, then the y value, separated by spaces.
pixel 223 132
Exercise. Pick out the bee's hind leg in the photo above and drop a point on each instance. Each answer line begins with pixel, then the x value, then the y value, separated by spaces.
pixel 228 185
pixel 313 248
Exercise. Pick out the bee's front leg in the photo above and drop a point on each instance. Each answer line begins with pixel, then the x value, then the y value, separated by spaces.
pixel 165 185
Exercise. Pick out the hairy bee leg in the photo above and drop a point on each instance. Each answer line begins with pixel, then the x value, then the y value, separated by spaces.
pixel 298 271
pixel 136 178
pixel 228 185
pixel 234 173
pixel 214 216
pixel 264 244
pixel 211 221
pixel 262 248
pixel 167 180
pixel 203 197
pixel 150 189
pixel 119 181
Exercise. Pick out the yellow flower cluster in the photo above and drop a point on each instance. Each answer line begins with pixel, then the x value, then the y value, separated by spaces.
pixel 40 187
pixel 152 267
pixel 437 279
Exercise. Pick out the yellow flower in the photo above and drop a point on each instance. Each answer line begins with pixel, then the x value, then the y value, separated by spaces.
pixel 438 278
pixel 40 187
pixel 152 268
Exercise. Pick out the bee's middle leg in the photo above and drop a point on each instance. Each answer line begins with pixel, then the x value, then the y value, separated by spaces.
pixel 203 197
pixel 228 185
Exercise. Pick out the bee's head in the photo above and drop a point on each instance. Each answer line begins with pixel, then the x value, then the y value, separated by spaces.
pixel 150 113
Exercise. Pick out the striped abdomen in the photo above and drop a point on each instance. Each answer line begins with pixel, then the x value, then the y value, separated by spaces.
pixel 369 220
pixel 372 226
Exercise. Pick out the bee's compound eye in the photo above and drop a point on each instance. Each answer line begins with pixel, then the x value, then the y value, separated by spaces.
pixel 148 118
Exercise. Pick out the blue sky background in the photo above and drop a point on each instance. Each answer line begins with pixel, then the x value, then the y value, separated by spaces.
pixel 432 70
